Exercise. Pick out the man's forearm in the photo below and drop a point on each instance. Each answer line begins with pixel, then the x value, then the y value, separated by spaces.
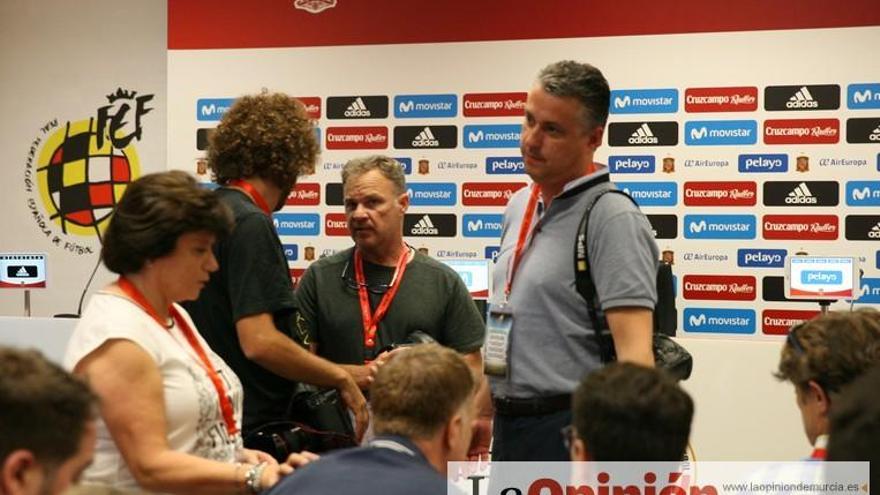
pixel 632 328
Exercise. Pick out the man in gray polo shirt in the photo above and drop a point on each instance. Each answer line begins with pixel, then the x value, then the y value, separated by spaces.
pixel 550 343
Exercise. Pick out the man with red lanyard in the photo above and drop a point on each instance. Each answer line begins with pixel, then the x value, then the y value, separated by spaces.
pixel 540 341
pixel 246 312
pixel 362 300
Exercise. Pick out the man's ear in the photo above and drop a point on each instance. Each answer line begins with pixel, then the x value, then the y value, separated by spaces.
pixel 595 137
pixel 817 393
pixel 579 451
pixel 403 202
pixel 18 472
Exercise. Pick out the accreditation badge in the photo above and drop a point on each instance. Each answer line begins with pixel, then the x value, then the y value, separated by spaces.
pixel 495 351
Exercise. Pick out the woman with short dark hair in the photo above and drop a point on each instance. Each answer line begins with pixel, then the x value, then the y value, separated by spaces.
pixel 170 407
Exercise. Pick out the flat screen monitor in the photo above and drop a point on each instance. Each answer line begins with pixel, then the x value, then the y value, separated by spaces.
pixel 824 278
pixel 475 274
pixel 22 270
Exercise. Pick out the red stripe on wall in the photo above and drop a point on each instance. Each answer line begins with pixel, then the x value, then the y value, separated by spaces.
pixel 205 24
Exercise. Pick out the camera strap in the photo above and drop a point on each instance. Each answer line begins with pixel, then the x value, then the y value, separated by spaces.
pixel 138 298
pixel 370 319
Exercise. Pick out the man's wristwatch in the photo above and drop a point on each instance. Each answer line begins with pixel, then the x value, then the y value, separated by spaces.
pixel 253 479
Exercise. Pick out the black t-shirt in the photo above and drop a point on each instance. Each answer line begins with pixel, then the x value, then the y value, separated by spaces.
pixel 253 278
pixel 432 299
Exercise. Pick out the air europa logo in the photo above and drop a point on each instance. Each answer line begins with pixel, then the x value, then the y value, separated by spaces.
pixel 628 101
pixel 643 133
pixel 719 287
pixel 494 104
pixel 488 193
pixel 734 99
pixel 803 193
pixel 335 224
pixel 75 173
pixel 720 193
pixel 714 320
pixel 793 227
pixel 305 194
pixel 802 131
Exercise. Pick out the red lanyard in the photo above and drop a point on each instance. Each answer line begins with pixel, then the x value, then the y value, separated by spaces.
pixel 225 404
pixel 819 454
pixel 524 229
pixel 371 320
pixel 253 193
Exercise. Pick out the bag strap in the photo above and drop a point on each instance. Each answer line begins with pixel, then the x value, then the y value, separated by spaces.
pixel 583 279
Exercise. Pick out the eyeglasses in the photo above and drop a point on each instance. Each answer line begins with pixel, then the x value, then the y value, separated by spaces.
pixel 568 434
pixel 371 287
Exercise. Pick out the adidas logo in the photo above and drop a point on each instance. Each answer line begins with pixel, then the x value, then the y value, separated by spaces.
pixel 874 233
pixel 424 227
pixel 802 99
pixel 425 139
pixel 22 272
pixel 357 109
pixel 643 135
pixel 801 195
pixel 875 135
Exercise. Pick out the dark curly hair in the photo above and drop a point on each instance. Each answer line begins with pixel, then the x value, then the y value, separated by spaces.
pixel 268 136
pixel 832 349
pixel 153 213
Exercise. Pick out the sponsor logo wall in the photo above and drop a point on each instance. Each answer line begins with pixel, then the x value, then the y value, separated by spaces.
pixel 734 177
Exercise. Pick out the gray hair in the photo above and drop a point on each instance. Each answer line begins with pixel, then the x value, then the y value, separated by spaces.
pixel 390 168
pixel 583 82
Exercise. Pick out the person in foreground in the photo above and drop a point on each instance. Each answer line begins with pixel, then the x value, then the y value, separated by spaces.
pixel 820 358
pixel 627 412
pixel 47 425
pixel 423 413
pixel 855 424
pixel 170 408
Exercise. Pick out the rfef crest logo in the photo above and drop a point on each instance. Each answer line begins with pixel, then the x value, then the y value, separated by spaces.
pixel 720 132
pixel 628 101
pixel 725 227
pixel 796 227
pixel 631 164
pixel 715 320
pixel 482 225
pixel 863 193
pixel 492 136
pixel 740 193
pixel 764 163
pixel 736 99
pixel 76 173
pixel 863 96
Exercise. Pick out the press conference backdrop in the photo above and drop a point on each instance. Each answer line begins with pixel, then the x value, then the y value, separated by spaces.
pixel 741 147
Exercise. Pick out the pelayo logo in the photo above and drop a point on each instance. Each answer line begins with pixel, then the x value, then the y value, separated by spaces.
pixel 76 172
pixel 761 258
pixel 631 164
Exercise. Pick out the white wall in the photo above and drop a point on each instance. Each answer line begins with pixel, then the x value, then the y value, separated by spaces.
pixel 58 60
